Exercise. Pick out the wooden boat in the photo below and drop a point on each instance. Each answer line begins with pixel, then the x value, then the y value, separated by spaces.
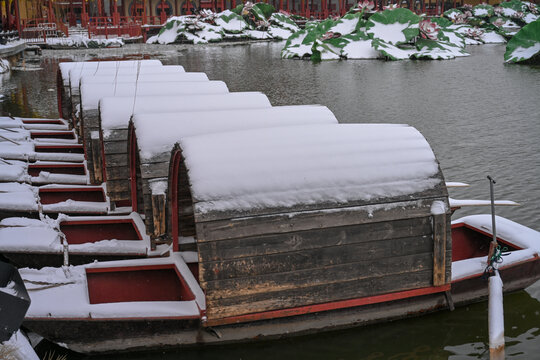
pixel 287 249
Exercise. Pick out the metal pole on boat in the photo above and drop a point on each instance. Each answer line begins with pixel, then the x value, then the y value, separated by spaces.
pixel 65 249
pixel 495 305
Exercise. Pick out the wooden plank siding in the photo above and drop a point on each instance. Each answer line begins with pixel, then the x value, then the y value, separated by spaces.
pixel 115 145
pixel 90 123
pixel 254 265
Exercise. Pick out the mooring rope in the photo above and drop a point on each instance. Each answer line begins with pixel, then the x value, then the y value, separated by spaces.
pixel 495 260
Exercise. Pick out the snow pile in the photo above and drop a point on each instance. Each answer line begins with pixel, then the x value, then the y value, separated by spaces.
pixel 78 41
pixel 310 165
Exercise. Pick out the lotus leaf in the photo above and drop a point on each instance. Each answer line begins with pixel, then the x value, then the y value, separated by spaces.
pixel 441 21
pixel 391 51
pixel 515 5
pixel 284 21
pixel 525 45
pixel 398 26
pixel 483 10
pixel 436 50
pixel 451 37
pixel 348 24
pixel 453 14
pixel 231 22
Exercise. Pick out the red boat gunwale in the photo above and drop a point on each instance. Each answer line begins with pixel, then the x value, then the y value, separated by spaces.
pixel 137 283
pixel 56 195
pixel 91 231
pixel 52 134
pixel 43 121
pixel 67 148
pixel 68 169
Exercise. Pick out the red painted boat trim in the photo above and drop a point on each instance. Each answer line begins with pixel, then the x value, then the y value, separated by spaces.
pixel 90 319
pixel 458 225
pixel 105 221
pixel 43 121
pixel 502 268
pixel 74 189
pixel 68 134
pixel 302 310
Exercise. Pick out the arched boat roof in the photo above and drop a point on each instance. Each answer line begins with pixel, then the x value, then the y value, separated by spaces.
pixel 92 93
pixel 66 67
pixel 157 134
pixel 310 167
pixel 112 75
pixel 115 112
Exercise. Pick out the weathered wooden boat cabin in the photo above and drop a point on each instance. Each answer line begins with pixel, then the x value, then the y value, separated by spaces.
pixel 92 92
pixel 152 137
pixel 299 220
pixel 63 83
pixel 115 113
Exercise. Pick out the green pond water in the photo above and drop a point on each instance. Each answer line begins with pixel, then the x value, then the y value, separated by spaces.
pixel 480 116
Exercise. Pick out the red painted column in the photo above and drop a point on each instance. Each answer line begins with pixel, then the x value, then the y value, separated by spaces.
pixel 17 17
pixel 84 14
pixel 50 15
pixel 116 16
pixel 145 20
pixel 100 8
pixel 8 20
pixel 162 14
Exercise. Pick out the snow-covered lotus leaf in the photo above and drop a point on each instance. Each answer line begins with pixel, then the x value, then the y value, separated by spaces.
pixel 230 22
pixel 355 46
pixel 515 5
pixel 391 51
pixel 525 45
pixel 492 37
pixel 279 33
pixel 348 24
pixel 397 26
pixel 483 10
pixel 529 18
pixel 257 34
pixel 441 21
pixel 323 51
pixel 436 50
pixel 451 37
pixel 453 14
pixel 208 33
pixel 428 29
pixel 284 21
pixel 262 11
pixel 296 46
pixel 169 33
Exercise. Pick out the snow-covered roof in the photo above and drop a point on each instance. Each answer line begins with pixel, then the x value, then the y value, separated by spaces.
pixel 157 133
pixel 93 92
pixel 262 171
pixel 111 75
pixel 66 67
pixel 115 112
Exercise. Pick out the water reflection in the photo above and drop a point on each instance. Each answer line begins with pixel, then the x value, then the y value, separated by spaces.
pixel 480 116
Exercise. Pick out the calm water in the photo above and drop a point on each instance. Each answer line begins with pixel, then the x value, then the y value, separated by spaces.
pixel 480 116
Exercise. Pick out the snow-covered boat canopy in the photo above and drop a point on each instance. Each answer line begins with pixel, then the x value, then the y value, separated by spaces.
pixel 91 93
pixel 115 112
pixel 156 134
pixel 66 67
pixel 265 171
pixel 160 73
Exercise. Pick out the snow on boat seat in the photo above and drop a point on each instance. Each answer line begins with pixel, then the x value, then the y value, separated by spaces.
pixel 64 68
pixel 37 243
pixel 158 288
pixel 152 138
pixel 17 198
pixel 93 92
pixel 289 217
pixel 43 172
pixel 115 113
pixel 155 74
pixel 33 123
pixel 31 151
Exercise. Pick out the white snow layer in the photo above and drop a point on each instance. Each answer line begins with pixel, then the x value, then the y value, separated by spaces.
pixel 92 93
pixel 18 348
pixel 116 111
pixel 157 133
pixel 307 165
pixel 496 312
pixel 391 33
pixel 69 299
